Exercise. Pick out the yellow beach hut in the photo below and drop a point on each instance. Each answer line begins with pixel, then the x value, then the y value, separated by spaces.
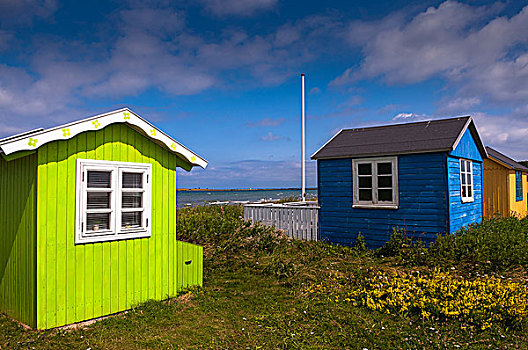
pixel 505 186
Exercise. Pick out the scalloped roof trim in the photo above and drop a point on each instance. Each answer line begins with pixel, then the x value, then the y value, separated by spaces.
pixel 33 140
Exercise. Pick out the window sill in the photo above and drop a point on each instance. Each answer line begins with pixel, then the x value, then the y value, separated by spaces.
pixel 115 237
pixel 468 200
pixel 372 206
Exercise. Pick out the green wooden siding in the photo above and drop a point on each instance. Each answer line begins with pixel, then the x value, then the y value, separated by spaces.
pixel 80 282
pixel 17 238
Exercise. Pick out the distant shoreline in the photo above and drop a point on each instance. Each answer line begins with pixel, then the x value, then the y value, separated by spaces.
pixel 243 189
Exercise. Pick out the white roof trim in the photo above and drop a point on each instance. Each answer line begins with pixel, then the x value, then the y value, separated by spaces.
pixel 457 141
pixel 67 131
pixel 326 143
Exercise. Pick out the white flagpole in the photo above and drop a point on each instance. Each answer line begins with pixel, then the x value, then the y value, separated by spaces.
pixel 303 148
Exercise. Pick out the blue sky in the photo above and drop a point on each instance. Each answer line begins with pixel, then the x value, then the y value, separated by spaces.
pixel 222 76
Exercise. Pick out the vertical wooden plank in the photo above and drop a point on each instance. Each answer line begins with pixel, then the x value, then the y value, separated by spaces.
pixel 152 241
pixel 71 266
pixel 97 153
pixel 42 237
pixel 119 251
pixel 138 243
pixel 145 244
pixel 129 139
pixel 106 153
pixel 61 230
pixel 185 267
pixel 165 226
pixel 171 217
pixel 135 140
pixel 89 261
pixel 157 221
pixel 80 251
pixel 51 242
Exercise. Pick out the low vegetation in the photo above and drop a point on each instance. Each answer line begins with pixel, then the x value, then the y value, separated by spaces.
pixel 263 290
pixel 495 245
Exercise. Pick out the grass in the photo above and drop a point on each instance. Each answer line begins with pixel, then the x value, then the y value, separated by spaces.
pixel 254 298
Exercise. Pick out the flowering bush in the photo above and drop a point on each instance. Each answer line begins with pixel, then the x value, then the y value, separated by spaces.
pixel 482 302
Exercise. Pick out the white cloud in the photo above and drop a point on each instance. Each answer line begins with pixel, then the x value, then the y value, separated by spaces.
pixel 270 137
pixel 267 122
pixel 149 46
pixel 410 117
pixel 238 7
pixel 507 133
pixel 471 48
pixel 459 105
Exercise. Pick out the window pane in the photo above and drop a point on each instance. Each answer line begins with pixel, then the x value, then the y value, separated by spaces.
pixel 365 182
pixel 385 195
pixel 468 179
pixel 365 195
pixel 470 194
pixel 132 200
pixel 98 200
pixel 131 220
pixel 463 178
pixel 463 166
pixel 97 221
pixel 384 181
pixel 364 169
pixel 384 168
pixel 132 180
pixel 464 191
pixel 99 179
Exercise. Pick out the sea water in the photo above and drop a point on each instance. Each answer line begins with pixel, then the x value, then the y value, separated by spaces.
pixel 189 198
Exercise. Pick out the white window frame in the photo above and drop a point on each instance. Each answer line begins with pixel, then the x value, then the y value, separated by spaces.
pixel 375 203
pixel 467 199
pixel 116 232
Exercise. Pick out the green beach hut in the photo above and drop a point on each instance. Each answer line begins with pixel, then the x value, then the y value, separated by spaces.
pixel 88 220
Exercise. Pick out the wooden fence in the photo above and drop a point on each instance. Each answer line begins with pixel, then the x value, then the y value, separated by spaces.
pixel 298 220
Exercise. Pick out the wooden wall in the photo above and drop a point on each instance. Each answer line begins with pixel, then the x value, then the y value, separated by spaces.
pixel 500 198
pixel 17 238
pixel 462 214
pixel 80 282
pixel 496 189
pixel 422 209
pixel 517 208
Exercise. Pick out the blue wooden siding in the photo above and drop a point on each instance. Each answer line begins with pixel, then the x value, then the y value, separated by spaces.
pixel 467 148
pixel 461 214
pixel 422 209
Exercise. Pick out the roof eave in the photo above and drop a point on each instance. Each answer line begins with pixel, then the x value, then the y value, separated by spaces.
pixel 20 143
pixel 383 154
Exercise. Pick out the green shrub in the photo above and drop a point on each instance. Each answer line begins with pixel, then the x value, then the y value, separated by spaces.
pixel 223 229
pixel 360 245
pixel 398 243
pixel 495 244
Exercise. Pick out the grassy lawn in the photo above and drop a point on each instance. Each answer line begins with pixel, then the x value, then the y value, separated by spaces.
pixel 255 297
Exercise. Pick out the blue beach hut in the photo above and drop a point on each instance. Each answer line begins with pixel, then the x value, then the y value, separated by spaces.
pixel 425 178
